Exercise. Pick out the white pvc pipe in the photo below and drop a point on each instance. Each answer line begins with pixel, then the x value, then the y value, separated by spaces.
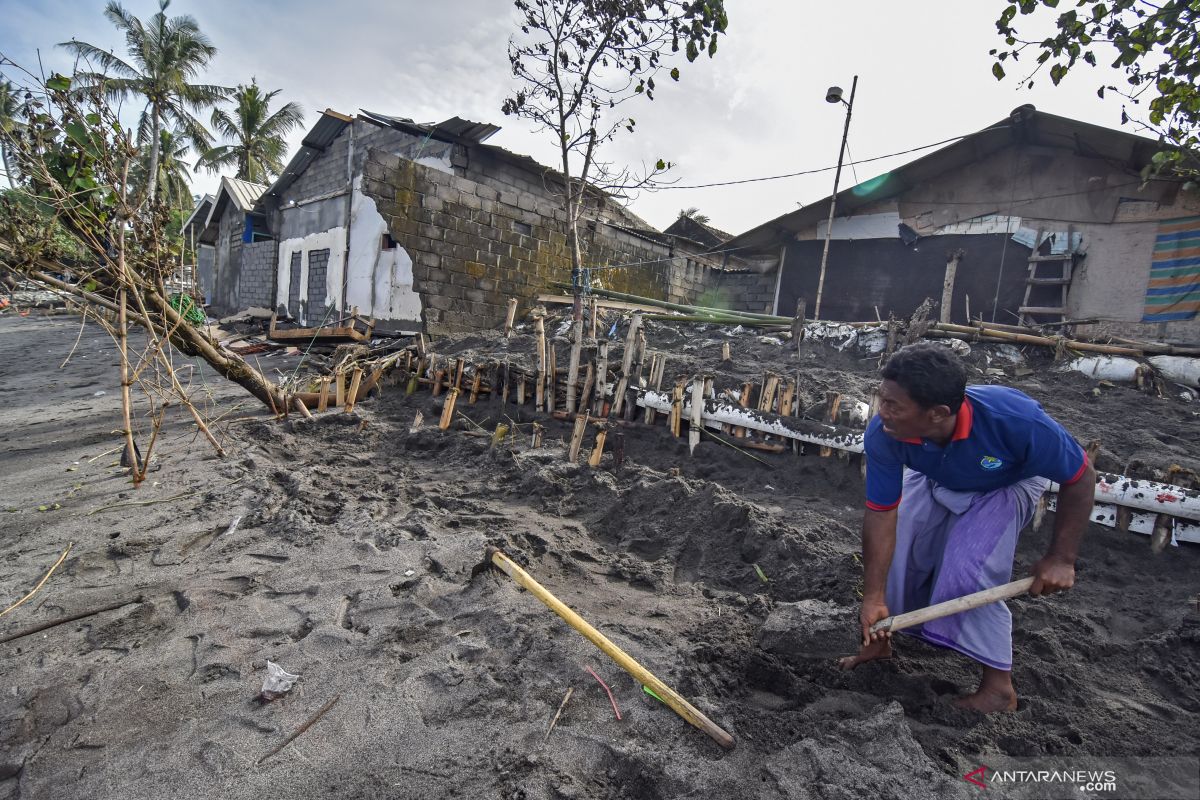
pixel 1139 522
pixel 1179 369
pixel 1152 496
pixel 1160 498
pixel 719 412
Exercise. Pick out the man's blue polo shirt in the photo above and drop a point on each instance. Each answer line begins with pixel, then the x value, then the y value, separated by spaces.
pixel 1001 436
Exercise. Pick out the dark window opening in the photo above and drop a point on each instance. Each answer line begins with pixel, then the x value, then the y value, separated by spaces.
pixel 255 229
pixel 318 270
pixel 294 287
pixel 386 242
pixel 522 228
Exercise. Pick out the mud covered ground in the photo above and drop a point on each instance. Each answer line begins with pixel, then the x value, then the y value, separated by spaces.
pixel 354 565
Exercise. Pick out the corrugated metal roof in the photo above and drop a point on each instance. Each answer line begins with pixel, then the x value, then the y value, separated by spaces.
pixel 327 128
pixel 200 211
pixel 455 130
pixel 1025 125
pixel 243 193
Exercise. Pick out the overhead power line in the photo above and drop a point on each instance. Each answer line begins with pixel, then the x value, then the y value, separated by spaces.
pixel 809 171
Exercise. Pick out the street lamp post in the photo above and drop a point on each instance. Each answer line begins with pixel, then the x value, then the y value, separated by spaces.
pixel 834 95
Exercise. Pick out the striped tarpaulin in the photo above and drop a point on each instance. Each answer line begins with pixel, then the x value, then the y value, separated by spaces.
pixel 1173 292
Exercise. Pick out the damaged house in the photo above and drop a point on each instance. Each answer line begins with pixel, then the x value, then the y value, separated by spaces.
pixel 234 249
pixel 1037 218
pixel 427 227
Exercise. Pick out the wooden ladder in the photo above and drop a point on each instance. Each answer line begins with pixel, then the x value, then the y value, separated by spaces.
pixel 1066 262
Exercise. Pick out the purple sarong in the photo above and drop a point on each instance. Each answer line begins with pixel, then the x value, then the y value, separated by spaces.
pixel 949 544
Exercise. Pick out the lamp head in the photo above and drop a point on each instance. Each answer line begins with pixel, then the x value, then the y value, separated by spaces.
pixel 833 94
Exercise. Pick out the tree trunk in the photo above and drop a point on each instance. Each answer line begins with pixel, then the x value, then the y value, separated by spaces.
pixel 191 341
pixel 155 143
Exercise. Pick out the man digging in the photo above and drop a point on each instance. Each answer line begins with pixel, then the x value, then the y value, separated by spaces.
pixel 978 460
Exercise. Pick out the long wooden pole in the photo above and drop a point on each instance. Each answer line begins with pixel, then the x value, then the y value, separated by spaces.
pixel 955 606
pixel 669 696
pixel 837 177
pixel 135 467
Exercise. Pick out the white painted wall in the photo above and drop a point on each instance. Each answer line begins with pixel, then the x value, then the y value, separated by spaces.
pixel 380 281
pixel 334 240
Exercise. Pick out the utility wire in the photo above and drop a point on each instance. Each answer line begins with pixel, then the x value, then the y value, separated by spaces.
pixel 810 171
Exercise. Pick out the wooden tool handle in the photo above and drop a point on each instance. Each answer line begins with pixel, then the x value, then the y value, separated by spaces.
pixel 642 675
pixel 958 604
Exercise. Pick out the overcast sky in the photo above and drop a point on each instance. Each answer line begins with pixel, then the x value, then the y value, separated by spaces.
pixel 756 109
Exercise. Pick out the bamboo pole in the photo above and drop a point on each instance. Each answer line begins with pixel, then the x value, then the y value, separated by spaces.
pixel 448 409
pixel 551 377
pixel 539 388
pixel 983 330
pixel 724 319
pixel 677 408
pixel 340 394
pixel 475 383
pixel 697 410
pixel 635 324
pixel 589 377
pixel 1005 591
pixel 669 696
pixel 601 380
pixel 632 298
pixel 573 364
pixel 352 394
pixel 833 401
pixel 648 417
pixel 510 317
pixel 598 448
pixel 323 403
pixel 303 409
pixel 581 422
pixel 135 468
pixel 743 401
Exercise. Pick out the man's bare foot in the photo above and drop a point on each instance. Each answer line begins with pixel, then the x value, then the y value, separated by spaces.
pixel 988 701
pixel 876 650
pixel 995 693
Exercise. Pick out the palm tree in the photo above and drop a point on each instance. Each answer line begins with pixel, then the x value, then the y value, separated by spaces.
pixel 694 214
pixel 174 176
pixel 10 109
pixel 257 136
pixel 165 57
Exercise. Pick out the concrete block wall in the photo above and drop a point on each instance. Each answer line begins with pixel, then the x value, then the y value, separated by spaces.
pixel 227 263
pixel 476 242
pixel 257 279
pixel 327 172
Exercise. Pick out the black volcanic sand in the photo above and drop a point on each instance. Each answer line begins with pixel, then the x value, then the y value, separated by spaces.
pixel 354 565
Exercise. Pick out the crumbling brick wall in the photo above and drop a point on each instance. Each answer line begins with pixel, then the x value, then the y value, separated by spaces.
pixel 475 241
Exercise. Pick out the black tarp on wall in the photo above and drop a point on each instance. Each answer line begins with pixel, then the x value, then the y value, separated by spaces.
pixel 867 273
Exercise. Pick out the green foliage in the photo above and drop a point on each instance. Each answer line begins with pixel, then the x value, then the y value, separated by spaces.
pixel 32 226
pixel 1156 45
pixel 166 56
pixel 577 61
pixel 258 137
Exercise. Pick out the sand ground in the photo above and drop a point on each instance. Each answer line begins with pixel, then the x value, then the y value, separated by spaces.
pixel 353 565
